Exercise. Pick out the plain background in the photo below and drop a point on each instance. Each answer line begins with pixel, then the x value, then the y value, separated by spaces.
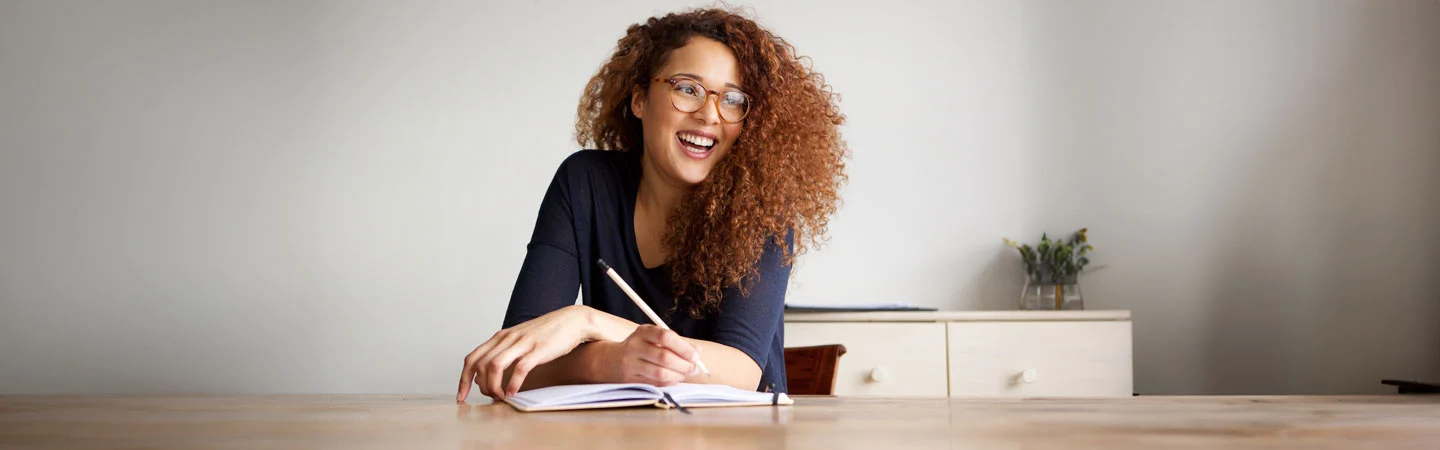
pixel 335 196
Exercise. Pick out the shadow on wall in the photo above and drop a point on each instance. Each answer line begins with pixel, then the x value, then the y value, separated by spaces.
pixel 1000 282
pixel 1327 282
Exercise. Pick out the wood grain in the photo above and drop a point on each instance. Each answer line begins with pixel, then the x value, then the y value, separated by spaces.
pixel 369 421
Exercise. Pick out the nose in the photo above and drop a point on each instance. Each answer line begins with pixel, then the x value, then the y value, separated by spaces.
pixel 707 114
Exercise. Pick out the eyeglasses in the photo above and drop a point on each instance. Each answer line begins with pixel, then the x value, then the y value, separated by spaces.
pixel 689 96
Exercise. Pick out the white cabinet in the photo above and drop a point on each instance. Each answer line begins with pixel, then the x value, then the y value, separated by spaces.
pixel 1042 359
pixel 881 359
pixel 974 353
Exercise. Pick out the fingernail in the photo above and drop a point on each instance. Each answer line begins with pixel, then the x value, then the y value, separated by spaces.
pixel 694 370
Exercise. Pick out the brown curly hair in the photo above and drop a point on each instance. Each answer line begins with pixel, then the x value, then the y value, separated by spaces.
pixel 781 176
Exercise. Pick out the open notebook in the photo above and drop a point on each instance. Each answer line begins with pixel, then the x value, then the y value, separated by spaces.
pixel 614 395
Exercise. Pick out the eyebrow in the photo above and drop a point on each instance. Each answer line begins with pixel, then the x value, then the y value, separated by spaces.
pixel 702 79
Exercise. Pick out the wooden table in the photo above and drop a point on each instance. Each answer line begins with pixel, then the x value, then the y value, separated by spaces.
pixel 370 421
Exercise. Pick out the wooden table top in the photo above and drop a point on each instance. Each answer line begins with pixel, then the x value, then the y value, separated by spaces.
pixel 828 423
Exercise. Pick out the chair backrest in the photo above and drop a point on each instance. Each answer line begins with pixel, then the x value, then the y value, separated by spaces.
pixel 812 370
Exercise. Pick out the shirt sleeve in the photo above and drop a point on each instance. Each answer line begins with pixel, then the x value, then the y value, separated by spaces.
pixel 550 275
pixel 750 324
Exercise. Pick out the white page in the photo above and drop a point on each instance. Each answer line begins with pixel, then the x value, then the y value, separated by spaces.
pixel 578 394
pixel 716 393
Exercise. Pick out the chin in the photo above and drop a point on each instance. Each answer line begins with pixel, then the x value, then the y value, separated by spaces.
pixel 692 175
pixel 693 170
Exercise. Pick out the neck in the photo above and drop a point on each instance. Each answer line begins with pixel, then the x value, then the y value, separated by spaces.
pixel 658 198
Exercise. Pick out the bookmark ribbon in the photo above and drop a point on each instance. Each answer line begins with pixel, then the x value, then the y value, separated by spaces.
pixel 672 401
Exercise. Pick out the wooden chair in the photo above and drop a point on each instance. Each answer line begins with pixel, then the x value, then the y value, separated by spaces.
pixel 811 370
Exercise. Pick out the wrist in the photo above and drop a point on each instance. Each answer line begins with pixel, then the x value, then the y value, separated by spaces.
pixel 600 326
pixel 604 361
pixel 590 324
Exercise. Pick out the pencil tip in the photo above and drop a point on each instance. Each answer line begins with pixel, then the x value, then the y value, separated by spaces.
pixel 601 263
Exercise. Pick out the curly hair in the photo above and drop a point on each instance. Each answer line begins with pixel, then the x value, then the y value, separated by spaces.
pixel 781 176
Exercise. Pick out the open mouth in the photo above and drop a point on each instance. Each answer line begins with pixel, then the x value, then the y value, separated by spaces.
pixel 695 145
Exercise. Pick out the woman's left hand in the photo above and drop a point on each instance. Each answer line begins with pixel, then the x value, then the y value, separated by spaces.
pixel 529 344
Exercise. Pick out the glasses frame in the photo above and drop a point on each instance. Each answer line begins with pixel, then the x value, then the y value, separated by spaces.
pixel 749 101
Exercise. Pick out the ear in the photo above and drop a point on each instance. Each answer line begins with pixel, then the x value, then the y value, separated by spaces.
pixel 637 103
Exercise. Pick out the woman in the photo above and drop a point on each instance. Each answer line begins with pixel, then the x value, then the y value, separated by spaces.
pixel 717 162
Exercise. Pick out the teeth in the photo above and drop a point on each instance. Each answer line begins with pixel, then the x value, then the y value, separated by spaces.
pixel 697 140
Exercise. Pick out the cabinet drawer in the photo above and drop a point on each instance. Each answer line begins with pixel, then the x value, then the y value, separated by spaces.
pixel 881 359
pixel 1061 359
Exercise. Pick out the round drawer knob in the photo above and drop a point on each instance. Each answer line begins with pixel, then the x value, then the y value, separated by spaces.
pixel 877 374
pixel 1029 375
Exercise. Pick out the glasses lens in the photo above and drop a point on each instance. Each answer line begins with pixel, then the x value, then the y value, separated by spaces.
pixel 687 96
pixel 734 106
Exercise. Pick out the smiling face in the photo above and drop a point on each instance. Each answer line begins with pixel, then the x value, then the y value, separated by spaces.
pixel 682 147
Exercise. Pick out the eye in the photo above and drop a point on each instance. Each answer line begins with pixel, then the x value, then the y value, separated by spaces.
pixel 688 88
pixel 734 99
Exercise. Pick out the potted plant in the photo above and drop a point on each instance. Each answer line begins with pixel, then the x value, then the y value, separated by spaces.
pixel 1052 271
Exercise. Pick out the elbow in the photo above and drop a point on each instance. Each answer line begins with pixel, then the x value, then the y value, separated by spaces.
pixel 748 380
pixel 745 375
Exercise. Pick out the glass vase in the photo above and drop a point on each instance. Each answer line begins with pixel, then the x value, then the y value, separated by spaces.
pixel 1051 296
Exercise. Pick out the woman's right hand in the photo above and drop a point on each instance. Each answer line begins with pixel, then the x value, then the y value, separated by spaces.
pixel 655 356
pixel 521 348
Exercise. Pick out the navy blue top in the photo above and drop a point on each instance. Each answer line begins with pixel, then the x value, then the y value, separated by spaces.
pixel 588 213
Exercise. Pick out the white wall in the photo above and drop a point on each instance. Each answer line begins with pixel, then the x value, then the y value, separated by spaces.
pixel 1260 178
pixel 335 196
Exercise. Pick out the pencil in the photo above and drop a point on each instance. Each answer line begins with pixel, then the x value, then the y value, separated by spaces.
pixel 641 303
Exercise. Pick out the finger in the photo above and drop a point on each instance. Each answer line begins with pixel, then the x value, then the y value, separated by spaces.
pixel 495 368
pixel 468 371
pixel 681 346
pixel 672 341
pixel 467 374
pixel 658 375
pixel 636 365
pixel 495 339
pixel 522 369
pixel 649 373
pixel 502 341
pixel 664 358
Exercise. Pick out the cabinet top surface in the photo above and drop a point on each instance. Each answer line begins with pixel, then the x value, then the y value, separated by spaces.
pixel 958 316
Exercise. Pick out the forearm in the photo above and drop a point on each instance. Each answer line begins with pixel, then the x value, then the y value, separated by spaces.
pixel 586 364
pixel 728 366
pixel 597 361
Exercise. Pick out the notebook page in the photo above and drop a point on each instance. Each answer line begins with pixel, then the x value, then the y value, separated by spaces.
pixel 716 393
pixel 577 394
